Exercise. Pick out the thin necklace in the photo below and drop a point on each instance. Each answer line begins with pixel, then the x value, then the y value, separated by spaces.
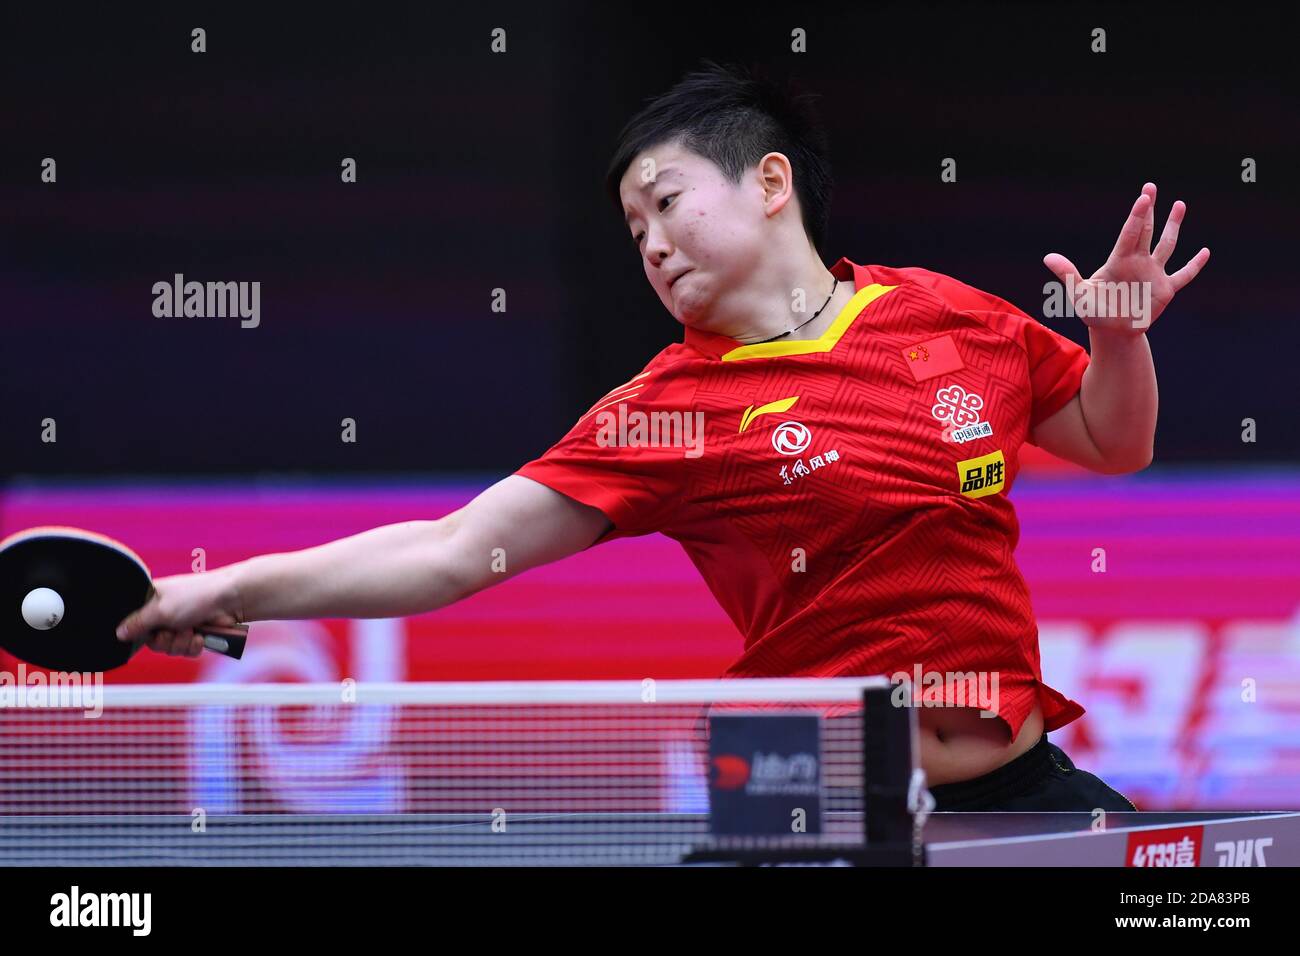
pixel 801 324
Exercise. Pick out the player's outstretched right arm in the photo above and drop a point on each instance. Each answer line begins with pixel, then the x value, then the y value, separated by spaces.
pixel 395 570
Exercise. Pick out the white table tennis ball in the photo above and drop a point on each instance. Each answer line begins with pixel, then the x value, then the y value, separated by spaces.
pixel 42 608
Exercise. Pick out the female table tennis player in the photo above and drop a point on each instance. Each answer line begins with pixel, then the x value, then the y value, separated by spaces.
pixel 832 447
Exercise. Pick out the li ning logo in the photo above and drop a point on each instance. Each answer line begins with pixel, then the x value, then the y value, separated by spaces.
pixel 635 429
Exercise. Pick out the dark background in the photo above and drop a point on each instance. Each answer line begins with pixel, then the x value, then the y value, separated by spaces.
pixel 480 171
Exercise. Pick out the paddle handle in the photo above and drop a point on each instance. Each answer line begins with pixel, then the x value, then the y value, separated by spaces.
pixel 223 639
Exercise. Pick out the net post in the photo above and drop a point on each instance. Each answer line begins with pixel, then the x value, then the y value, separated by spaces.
pixel 888 759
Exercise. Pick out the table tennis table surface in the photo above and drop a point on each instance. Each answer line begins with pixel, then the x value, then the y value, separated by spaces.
pixel 950 839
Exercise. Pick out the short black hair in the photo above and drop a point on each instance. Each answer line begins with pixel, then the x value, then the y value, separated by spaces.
pixel 733 116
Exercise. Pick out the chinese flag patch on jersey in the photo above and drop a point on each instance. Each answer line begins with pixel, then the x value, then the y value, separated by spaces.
pixel 933 357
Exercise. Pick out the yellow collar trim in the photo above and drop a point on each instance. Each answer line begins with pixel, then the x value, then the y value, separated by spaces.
pixel 828 340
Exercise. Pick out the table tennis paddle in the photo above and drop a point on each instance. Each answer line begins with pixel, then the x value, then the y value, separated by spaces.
pixel 100 581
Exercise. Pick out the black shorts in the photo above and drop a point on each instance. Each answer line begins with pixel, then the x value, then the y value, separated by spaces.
pixel 1041 778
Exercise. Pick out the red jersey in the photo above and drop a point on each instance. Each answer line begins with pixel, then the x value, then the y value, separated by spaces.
pixel 845 498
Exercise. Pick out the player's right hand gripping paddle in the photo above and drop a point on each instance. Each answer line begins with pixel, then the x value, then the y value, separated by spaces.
pixel 63 591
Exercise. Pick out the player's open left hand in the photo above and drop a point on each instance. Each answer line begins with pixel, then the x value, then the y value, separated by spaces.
pixel 1131 289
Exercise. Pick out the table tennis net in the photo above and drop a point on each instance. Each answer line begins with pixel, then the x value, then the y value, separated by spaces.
pixel 462 774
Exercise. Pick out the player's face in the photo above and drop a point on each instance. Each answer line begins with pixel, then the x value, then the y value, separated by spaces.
pixel 697 233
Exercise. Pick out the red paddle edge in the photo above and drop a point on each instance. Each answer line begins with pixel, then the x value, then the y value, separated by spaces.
pixel 45 531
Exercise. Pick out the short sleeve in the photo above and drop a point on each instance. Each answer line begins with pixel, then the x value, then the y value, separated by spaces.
pixel 621 458
pixel 1056 367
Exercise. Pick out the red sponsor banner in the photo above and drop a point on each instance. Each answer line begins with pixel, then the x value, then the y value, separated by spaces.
pixel 1169 607
pixel 1174 846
